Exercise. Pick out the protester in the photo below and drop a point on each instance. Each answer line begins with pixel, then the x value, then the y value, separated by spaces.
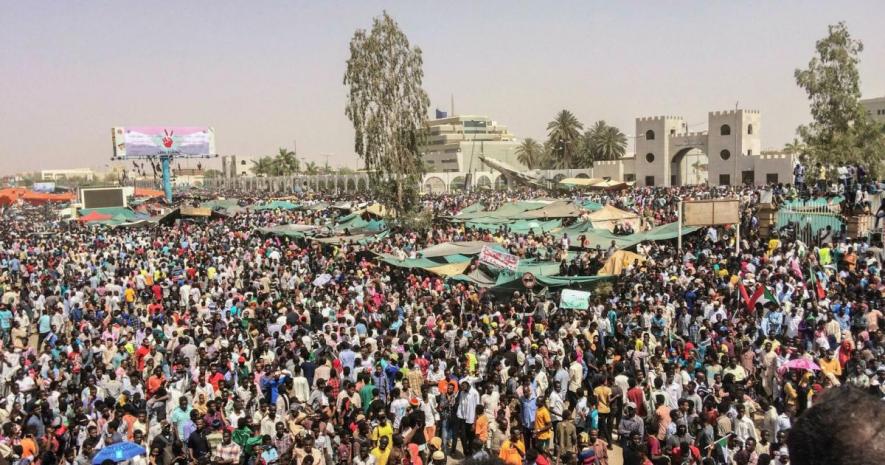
pixel 213 342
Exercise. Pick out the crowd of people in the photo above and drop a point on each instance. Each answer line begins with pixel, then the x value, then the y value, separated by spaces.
pixel 206 342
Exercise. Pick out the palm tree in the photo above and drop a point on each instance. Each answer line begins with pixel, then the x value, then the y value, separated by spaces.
pixel 795 147
pixel 530 153
pixel 265 166
pixel 603 142
pixel 311 168
pixel 563 134
pixel 287 162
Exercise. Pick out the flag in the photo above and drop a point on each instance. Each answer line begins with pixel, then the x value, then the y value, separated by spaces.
pixel 818 286
pixel 762 295
pixel 745 297
pixel 721 442
pixel 441 114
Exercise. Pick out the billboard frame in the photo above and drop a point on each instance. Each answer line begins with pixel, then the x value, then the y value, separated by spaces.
pixel 82 196
pixel 725 217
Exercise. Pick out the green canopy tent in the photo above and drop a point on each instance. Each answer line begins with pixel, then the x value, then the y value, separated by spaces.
pixel 277 205
pixel 296 231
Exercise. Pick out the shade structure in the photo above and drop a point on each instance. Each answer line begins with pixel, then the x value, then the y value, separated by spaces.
pixel 95 216
pixel 609 216
pixel 581 182
pixel 119 452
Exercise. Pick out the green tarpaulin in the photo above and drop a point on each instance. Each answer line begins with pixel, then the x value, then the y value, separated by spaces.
pixel 228 206
pixel 603 238
pixel 591 205
pixel 518 226
pixel 355 222
pixel 291 230
pixel 277 205
pixel 117 213
pixel 506 211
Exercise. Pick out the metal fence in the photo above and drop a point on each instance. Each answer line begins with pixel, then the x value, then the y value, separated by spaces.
pixel 808 218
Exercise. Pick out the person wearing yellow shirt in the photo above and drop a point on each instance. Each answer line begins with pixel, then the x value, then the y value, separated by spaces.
pixel 381 452
pixel 129 295
pixel 513 449
pixel 543 425
pixel 384 430
pixel 603 395
pixel 830 365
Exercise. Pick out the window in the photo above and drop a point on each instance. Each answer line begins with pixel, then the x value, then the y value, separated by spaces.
pixel 749 152
pixel 724 180
pixel 771 178
pixel 672 132
pixel 649 180
pixel 725 130
pixel 750 129
pixel 649 135
pixel 650 157
pixel 748 178
pixel 725 154
pixel 629 177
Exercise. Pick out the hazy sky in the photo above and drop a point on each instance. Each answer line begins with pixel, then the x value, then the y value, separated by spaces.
pixel 266 73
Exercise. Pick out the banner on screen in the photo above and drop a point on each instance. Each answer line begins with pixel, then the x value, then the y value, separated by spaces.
pixel 155 141
pixel 578 300
pixel 493 257
pixel 46 187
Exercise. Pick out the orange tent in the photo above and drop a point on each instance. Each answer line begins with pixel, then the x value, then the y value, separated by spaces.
pixel 151 193
pixel 39 198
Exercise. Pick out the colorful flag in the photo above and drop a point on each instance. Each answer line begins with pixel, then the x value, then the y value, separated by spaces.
pixel 745 297
pixel 819 289
pixel 721 442
pixel 762 295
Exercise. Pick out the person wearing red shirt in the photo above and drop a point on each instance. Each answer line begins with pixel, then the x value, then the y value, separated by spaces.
pixel 637 396
pixel 141 353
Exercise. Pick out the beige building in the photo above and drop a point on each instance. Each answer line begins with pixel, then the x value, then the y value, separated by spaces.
pixel 454 144
pixel 729 153
pixel 875 107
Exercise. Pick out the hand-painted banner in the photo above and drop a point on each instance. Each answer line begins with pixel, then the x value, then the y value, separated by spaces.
pixel 578 300
pixel 493 257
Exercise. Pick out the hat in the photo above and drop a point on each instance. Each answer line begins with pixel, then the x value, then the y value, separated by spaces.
pixel 438 455
pixel 585 438
pixel 631 405
pixel 436 442
pixel 414 402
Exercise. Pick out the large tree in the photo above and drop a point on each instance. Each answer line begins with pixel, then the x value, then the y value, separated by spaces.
pixel 563 138
pixel 530 153
pixel 388 109
pixel 603 142
pixel 841 132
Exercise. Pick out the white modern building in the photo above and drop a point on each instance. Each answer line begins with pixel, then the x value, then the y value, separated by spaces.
pixel 454 144
pixel 875 107
pixel 61 175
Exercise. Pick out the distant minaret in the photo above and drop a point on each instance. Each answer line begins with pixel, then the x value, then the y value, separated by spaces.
pixel 452 108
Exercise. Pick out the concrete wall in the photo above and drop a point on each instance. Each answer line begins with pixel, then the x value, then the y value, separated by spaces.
pixel 779 166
